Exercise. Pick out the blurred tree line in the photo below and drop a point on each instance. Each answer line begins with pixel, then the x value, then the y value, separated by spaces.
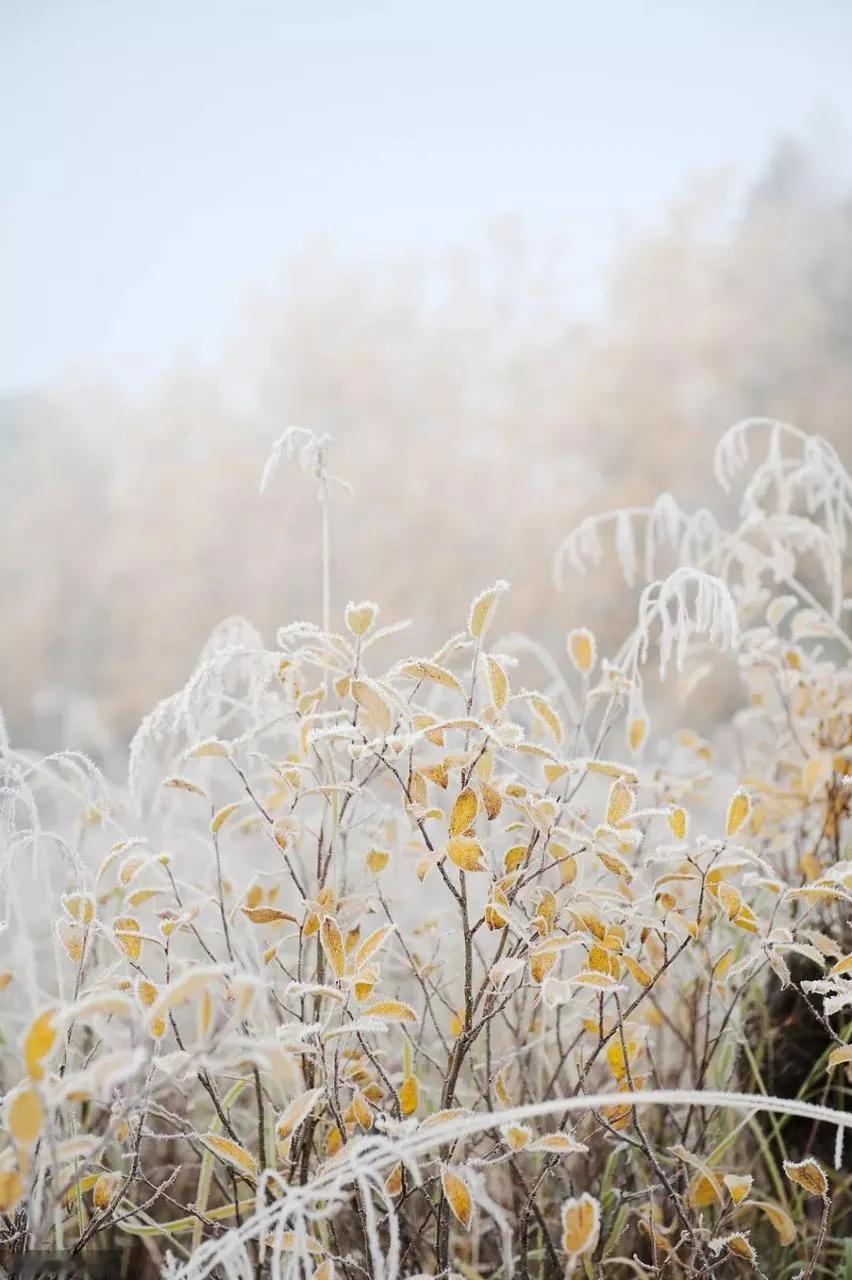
pixel 477 418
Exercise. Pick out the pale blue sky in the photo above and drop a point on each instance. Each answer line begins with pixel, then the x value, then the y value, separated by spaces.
pixel 161 157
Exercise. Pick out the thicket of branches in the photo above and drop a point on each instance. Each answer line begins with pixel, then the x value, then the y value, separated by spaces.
pixel 418 969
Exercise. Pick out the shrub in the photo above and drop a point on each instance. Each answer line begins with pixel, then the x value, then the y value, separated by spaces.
pixel 422 971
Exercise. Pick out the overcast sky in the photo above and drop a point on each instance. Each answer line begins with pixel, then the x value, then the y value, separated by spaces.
pixel 161 157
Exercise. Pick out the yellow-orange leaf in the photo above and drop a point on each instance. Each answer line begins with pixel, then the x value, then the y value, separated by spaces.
pixel 465 854
pixel 38 1042
pixel 394 1010
pixel 582 649
pixel 464 812
pixel 232 1153
pixel 458 1196
pixel 581 1222
pixel 25 1117
pixel 371 701
pixel 807 1174
pixel 482 609
pixel 332 945
pixel 738 811
pixel 409 1095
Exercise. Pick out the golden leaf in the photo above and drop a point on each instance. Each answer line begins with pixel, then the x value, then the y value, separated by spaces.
pixel 25 1117
pixel 38 1042
pixel 781 1221
pixel 582 649
pixel 422 670
pixel 393 1182
pixel 581 1223
pixel 465 854
pixel 637 732
pixel 125 929
pixel 360 617
pixel 409 1095
pixel 266 915
pixel 394 1010
pixel 371 945
pixel 677 822
pixel 105 1189
pixel 492 800
pixel 371 701
pixel 332 945
pixel 232 1153
pixel 482 609
pixel 219 819
pixel 839 1056
pixel 499 683
pixel 464 812
pixel 377 860
pixel 620 802
pixel 739 1185
pixel 807 1174
pixel 458 1196
pixel 738 811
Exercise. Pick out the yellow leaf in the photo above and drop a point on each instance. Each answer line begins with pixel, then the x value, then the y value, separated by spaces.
pixel 641 974
pixel 377 860
pixel 738 811
pixel 517 1136
pixel 466 854
pixel 409 1095
pixel 371 945
pixel 581 1223
pixel 394 1010
pixel 730 899
pixel 499 683
pixel 739 1185
pixel 545 712
pixel 360 617
pixel 332 945
pixel 541 962
pixel 25 1117
pixel 637 732
pixel 677 822
pixel 73 939
pixel 620 802
pixel 738 1244
pixel 582 649
pixel 232 1153
pixel 781 1221
pixel 125 929
pixel 482 609
pixel 491 800
pixel 421 670
pixel 220 818
pixel 371 701
pixel 464 812
pixel 807 1174
pixel 839 1056
pixel 266 915
pixel 38 1042
pixel 11 1190
pixel 458 1196
pixel 80 907
pixel 393 1182
pixel 105 1189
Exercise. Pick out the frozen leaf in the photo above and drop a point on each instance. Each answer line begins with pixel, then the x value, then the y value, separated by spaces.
pixel 482 609
pixel 581 1221
pixel 25 1117
pixel 232 1153
pixel 807 1174
pixel 458 1196
pixel 332 945
pixel 738 811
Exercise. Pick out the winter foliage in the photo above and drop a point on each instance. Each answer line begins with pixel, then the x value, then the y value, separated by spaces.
pixel 452 965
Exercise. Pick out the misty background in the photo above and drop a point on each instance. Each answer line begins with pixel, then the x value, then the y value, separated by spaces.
pixel 522 263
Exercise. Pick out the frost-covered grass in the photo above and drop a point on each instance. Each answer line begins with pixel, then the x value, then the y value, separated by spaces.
pixel 458 966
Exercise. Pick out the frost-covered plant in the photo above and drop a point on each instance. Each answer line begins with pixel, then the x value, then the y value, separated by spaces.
pixel 412 969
